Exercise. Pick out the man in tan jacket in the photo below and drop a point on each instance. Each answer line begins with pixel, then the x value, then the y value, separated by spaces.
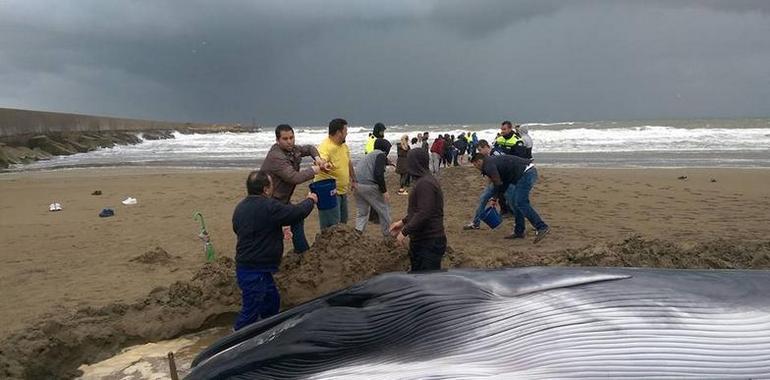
pixel 283 165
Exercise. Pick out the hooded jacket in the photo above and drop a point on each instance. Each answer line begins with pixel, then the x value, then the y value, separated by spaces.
pixel 425 213
pixel 524 133
pixel 370 170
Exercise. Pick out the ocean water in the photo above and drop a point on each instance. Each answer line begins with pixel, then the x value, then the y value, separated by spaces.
pixel 662 143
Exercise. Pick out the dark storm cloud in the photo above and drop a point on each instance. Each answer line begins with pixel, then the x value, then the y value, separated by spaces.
pixel 305 62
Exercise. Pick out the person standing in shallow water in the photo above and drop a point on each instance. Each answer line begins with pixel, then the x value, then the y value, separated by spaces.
pixel 424 221
pixel 257 223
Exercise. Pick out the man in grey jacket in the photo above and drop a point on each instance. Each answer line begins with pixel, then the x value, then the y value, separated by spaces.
pixel 372 193
pixel 282 164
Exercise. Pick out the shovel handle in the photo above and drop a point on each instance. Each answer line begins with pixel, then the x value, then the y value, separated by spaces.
pixel 199 217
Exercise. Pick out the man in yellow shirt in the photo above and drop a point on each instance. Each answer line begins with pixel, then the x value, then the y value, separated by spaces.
pixel 334 150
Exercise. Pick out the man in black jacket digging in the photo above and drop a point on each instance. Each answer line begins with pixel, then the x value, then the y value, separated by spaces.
pixel 257 221
pixel 424 221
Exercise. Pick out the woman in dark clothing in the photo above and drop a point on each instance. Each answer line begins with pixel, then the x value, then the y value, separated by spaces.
pixel 401 164
pixel 424 221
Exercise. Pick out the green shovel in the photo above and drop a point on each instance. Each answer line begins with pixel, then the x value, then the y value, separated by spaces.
pixel 204 235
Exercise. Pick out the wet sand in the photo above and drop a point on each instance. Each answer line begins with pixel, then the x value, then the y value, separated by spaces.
pixel 58 262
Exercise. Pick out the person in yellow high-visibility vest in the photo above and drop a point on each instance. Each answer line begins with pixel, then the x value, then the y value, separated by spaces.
pixel 377 133
pixel 509 142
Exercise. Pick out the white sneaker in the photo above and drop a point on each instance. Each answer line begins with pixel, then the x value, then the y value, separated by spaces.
pixel 129 201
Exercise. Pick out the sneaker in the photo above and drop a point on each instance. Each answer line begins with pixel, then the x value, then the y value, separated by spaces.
pixel 403 192
pixel 541 234
pixel 471 226
pixel 514 236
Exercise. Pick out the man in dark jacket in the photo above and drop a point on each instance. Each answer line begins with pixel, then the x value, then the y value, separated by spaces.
pixel 513 178
pixel 424 221
pixel 257 222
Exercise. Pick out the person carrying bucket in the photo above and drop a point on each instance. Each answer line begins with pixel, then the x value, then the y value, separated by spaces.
pixel 488 193
pixel 372 193
pixel 283 165
pixel 334 151
pixel 513 178
pixel 257 222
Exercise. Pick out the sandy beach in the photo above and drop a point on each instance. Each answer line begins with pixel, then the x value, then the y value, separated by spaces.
pixel 56 262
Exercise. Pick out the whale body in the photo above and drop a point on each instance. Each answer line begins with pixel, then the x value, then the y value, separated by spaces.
pixel 522 323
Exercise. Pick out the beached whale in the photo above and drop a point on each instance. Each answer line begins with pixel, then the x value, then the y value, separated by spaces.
pixel 526 323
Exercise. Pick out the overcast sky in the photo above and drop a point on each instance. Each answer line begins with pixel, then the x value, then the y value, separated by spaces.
pixel 442 61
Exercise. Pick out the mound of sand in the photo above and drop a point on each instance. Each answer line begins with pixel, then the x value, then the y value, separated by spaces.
pixel 339 258
pixel 637 251
pixel 156 255
pixel 55 345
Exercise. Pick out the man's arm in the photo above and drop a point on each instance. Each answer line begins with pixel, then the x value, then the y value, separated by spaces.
pixel 425 202
pixel 288 214
pixel 352 175
pixel 379 172
pixel 490 170
pixel 285 171
pixel 308 150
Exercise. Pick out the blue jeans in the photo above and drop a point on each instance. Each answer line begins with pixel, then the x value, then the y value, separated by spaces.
pixel 488 194
pixel 298 237
pixel 336 215
pixel 518 201
pixel 260 296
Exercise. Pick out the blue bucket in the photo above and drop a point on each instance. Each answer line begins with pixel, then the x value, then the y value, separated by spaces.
pixel 327 193
pixel 491 217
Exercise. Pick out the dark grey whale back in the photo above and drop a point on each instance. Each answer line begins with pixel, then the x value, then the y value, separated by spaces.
pixel 532 322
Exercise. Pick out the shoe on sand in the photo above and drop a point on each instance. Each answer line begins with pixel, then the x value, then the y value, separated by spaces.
pixel 54 207
pixel 129 201
pixel 471 226
pixel 106 213
pixel 514 236
pixel 541 234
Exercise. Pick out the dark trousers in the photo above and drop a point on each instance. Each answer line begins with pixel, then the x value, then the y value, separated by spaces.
pixel 406 179
pixel 298 238
pixel 427 254
pixel 259 296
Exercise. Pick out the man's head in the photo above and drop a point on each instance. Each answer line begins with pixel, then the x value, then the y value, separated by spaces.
pixel 259 183
pixel 506 128
pixel 284 136
pixel 484 148
pixel 478 160
pixel 425 136
pixel 338 130
pixel 379 131
pixel 382 145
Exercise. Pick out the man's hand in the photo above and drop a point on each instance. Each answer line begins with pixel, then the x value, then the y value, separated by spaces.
pixel 312 196
pixel 287 235
pixel 324 165
pixel 353 185
pixel 316 169
pixel 396 227
pixel 401 239
pixel 492 202
pixel 386 196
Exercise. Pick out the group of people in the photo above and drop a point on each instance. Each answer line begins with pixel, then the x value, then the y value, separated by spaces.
pixel 266 217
